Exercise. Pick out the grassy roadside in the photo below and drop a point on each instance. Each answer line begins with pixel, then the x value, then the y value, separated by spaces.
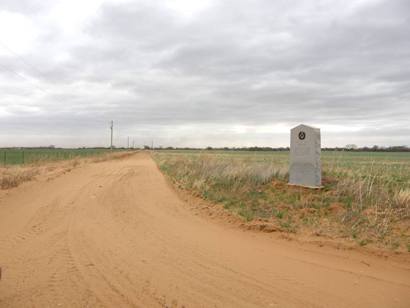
pixel 14 175
pixel 366 196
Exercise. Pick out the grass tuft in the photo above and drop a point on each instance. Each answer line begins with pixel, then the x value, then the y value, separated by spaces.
pixel 13 177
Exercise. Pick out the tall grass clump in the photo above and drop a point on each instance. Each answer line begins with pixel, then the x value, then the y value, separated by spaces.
pixel 221 178
pixel 376 188
pixel 227 171
pixel 13 177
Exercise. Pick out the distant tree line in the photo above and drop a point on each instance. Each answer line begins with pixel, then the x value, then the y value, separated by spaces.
pixel 349 148
pixel 222 148
pixel 374 148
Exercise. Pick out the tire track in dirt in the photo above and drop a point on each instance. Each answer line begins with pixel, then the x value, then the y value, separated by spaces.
pixel 115 234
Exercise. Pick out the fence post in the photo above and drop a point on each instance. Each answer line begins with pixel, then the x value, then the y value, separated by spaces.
pixel 22 156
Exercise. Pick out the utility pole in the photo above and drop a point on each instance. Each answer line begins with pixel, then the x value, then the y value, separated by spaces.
pixel 112 130
pixel 133 143
pixel 128 142
pixel 152 145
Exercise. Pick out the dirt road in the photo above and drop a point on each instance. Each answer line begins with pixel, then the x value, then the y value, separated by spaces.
pixel 115 234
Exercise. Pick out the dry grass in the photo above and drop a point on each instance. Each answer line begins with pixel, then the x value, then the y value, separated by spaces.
pixel 112 155
pixel 14 176
pixel 402 199
pixel 365 198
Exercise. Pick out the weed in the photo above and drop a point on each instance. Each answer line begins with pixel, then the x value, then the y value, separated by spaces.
pixel 12 177
pixel 363 242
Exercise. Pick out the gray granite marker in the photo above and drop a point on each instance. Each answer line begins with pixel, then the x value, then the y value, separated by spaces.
pixel 305 168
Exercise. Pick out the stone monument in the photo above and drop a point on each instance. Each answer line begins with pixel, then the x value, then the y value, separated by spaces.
pixel 305 168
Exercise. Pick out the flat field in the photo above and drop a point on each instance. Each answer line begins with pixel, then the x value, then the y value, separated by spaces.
pixel 365 199
pixel 14 156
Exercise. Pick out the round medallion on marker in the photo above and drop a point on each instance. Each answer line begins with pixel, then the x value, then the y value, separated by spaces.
pixel 302 135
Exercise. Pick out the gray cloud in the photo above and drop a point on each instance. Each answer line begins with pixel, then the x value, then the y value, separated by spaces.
pixel 193 80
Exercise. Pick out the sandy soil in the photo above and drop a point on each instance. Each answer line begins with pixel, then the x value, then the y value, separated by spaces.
pixel 115 234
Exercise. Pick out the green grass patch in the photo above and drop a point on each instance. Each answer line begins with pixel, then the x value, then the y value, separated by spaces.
pixel 23 156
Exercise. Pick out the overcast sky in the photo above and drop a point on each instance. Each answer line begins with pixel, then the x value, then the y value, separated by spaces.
pixel 199 73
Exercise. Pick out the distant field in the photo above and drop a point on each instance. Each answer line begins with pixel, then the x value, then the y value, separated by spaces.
pixel 366 195
pixel 27 156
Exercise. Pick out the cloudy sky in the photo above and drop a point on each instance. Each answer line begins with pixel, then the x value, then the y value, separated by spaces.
pixel 199 73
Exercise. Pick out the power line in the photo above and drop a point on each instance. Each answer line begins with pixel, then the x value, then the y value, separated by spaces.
pixel 22 60
pixel 25 78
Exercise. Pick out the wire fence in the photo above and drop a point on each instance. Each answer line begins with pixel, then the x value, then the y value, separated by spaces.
pixel 28 156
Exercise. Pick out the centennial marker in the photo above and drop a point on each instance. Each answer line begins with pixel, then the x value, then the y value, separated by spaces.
pixel 305 167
